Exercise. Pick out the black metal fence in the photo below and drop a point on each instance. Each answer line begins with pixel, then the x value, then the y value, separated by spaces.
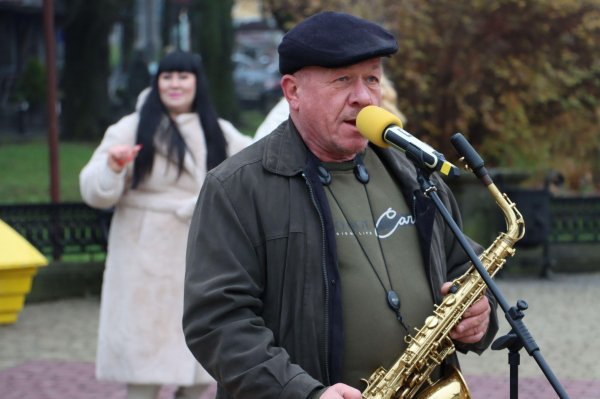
pixel 60 229
pixel 18 122
pixel 575 220
pixel 75 228
pixel 556 220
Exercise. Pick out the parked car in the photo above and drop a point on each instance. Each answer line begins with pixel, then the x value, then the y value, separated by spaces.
pixel 256 85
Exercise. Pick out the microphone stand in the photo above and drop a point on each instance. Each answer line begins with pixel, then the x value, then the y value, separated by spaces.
pixel 519 336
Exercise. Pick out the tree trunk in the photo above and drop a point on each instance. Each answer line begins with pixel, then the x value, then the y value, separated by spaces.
pixel 167 22
pixel 212 37
pixel 85 108
pixel 128 21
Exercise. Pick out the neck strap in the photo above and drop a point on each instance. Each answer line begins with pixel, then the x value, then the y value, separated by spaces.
pixel 359 171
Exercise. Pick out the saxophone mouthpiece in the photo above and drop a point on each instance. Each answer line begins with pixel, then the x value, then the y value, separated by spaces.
pixel 473 162
pixel 468 153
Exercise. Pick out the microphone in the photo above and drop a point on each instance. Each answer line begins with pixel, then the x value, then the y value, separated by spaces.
pixel 384 129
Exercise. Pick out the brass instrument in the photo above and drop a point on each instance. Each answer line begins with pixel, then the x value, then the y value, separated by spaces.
pixel 432 343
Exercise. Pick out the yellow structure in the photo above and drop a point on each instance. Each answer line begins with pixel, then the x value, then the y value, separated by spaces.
pixel 19 261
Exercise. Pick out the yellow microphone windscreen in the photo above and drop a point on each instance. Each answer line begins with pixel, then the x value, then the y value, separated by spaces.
pixel 372 120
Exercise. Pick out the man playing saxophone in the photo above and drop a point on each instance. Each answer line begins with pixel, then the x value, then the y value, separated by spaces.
pixel 311 255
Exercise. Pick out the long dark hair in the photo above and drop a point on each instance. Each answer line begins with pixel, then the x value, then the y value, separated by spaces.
pixel 153 112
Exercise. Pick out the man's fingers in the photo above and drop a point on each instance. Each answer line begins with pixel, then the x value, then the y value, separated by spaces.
pixel 475 322
pixel 472 331
pixel 478 308
pixel 446 288
pixel 470 325
pixel 471 339
pixel 347 392
pixel 351 393
pixel 338 391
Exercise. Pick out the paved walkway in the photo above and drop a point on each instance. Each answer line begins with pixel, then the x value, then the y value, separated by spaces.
pixel 49 352
pixel 564 319
pixel 75 380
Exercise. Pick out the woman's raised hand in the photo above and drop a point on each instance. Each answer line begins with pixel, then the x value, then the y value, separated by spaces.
pixel 120 155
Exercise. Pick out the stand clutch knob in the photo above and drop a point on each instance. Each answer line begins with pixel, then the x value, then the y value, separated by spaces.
pixel 522 305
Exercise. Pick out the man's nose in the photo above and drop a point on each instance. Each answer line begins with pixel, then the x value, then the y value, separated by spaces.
pixel 360 95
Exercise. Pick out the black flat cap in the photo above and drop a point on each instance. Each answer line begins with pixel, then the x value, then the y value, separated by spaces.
pixel 333 40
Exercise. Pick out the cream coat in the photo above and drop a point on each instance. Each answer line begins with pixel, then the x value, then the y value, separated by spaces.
pixel 140 336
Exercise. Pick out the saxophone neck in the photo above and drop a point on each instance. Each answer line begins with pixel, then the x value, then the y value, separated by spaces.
pixel 514 220
pixel 515 225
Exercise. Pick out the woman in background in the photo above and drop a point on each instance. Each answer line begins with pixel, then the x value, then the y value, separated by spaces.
pixel 150 166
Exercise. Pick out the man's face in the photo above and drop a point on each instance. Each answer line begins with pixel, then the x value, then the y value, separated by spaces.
pixel 329 101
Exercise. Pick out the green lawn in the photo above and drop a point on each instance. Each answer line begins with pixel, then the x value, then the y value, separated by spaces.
pixel 25 171
pixel 250 120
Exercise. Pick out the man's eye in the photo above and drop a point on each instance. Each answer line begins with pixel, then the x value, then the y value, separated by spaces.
pixel 342 79
pixel 372 79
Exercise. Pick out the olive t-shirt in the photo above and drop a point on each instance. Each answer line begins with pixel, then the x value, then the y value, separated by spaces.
pixel 373 336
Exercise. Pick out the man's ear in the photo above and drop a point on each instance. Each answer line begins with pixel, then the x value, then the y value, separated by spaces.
pixel 291 87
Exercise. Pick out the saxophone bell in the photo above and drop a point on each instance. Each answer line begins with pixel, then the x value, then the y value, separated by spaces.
pixel 452 386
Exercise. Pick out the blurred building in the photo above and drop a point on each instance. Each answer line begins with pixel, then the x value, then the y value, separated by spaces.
pixel 247 10
pixel 256 75
pixel 147 27
pixel 142 33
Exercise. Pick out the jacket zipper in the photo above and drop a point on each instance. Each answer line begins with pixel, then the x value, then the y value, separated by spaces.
pixel 312 197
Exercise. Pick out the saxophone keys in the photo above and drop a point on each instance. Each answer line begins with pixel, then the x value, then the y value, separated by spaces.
pixel 404 394
pixel 431 322
pixel 366 382
pixel 467 167
pixel 450 300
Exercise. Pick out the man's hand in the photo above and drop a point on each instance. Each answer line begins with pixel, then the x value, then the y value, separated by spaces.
pixel 338 391
pixel 474 323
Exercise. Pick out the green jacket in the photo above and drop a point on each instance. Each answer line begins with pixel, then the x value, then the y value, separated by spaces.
pixel 262 306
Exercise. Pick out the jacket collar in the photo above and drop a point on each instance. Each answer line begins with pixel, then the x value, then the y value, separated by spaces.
pixel 286 154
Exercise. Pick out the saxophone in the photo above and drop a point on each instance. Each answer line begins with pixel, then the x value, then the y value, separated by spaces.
pixel 432 343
